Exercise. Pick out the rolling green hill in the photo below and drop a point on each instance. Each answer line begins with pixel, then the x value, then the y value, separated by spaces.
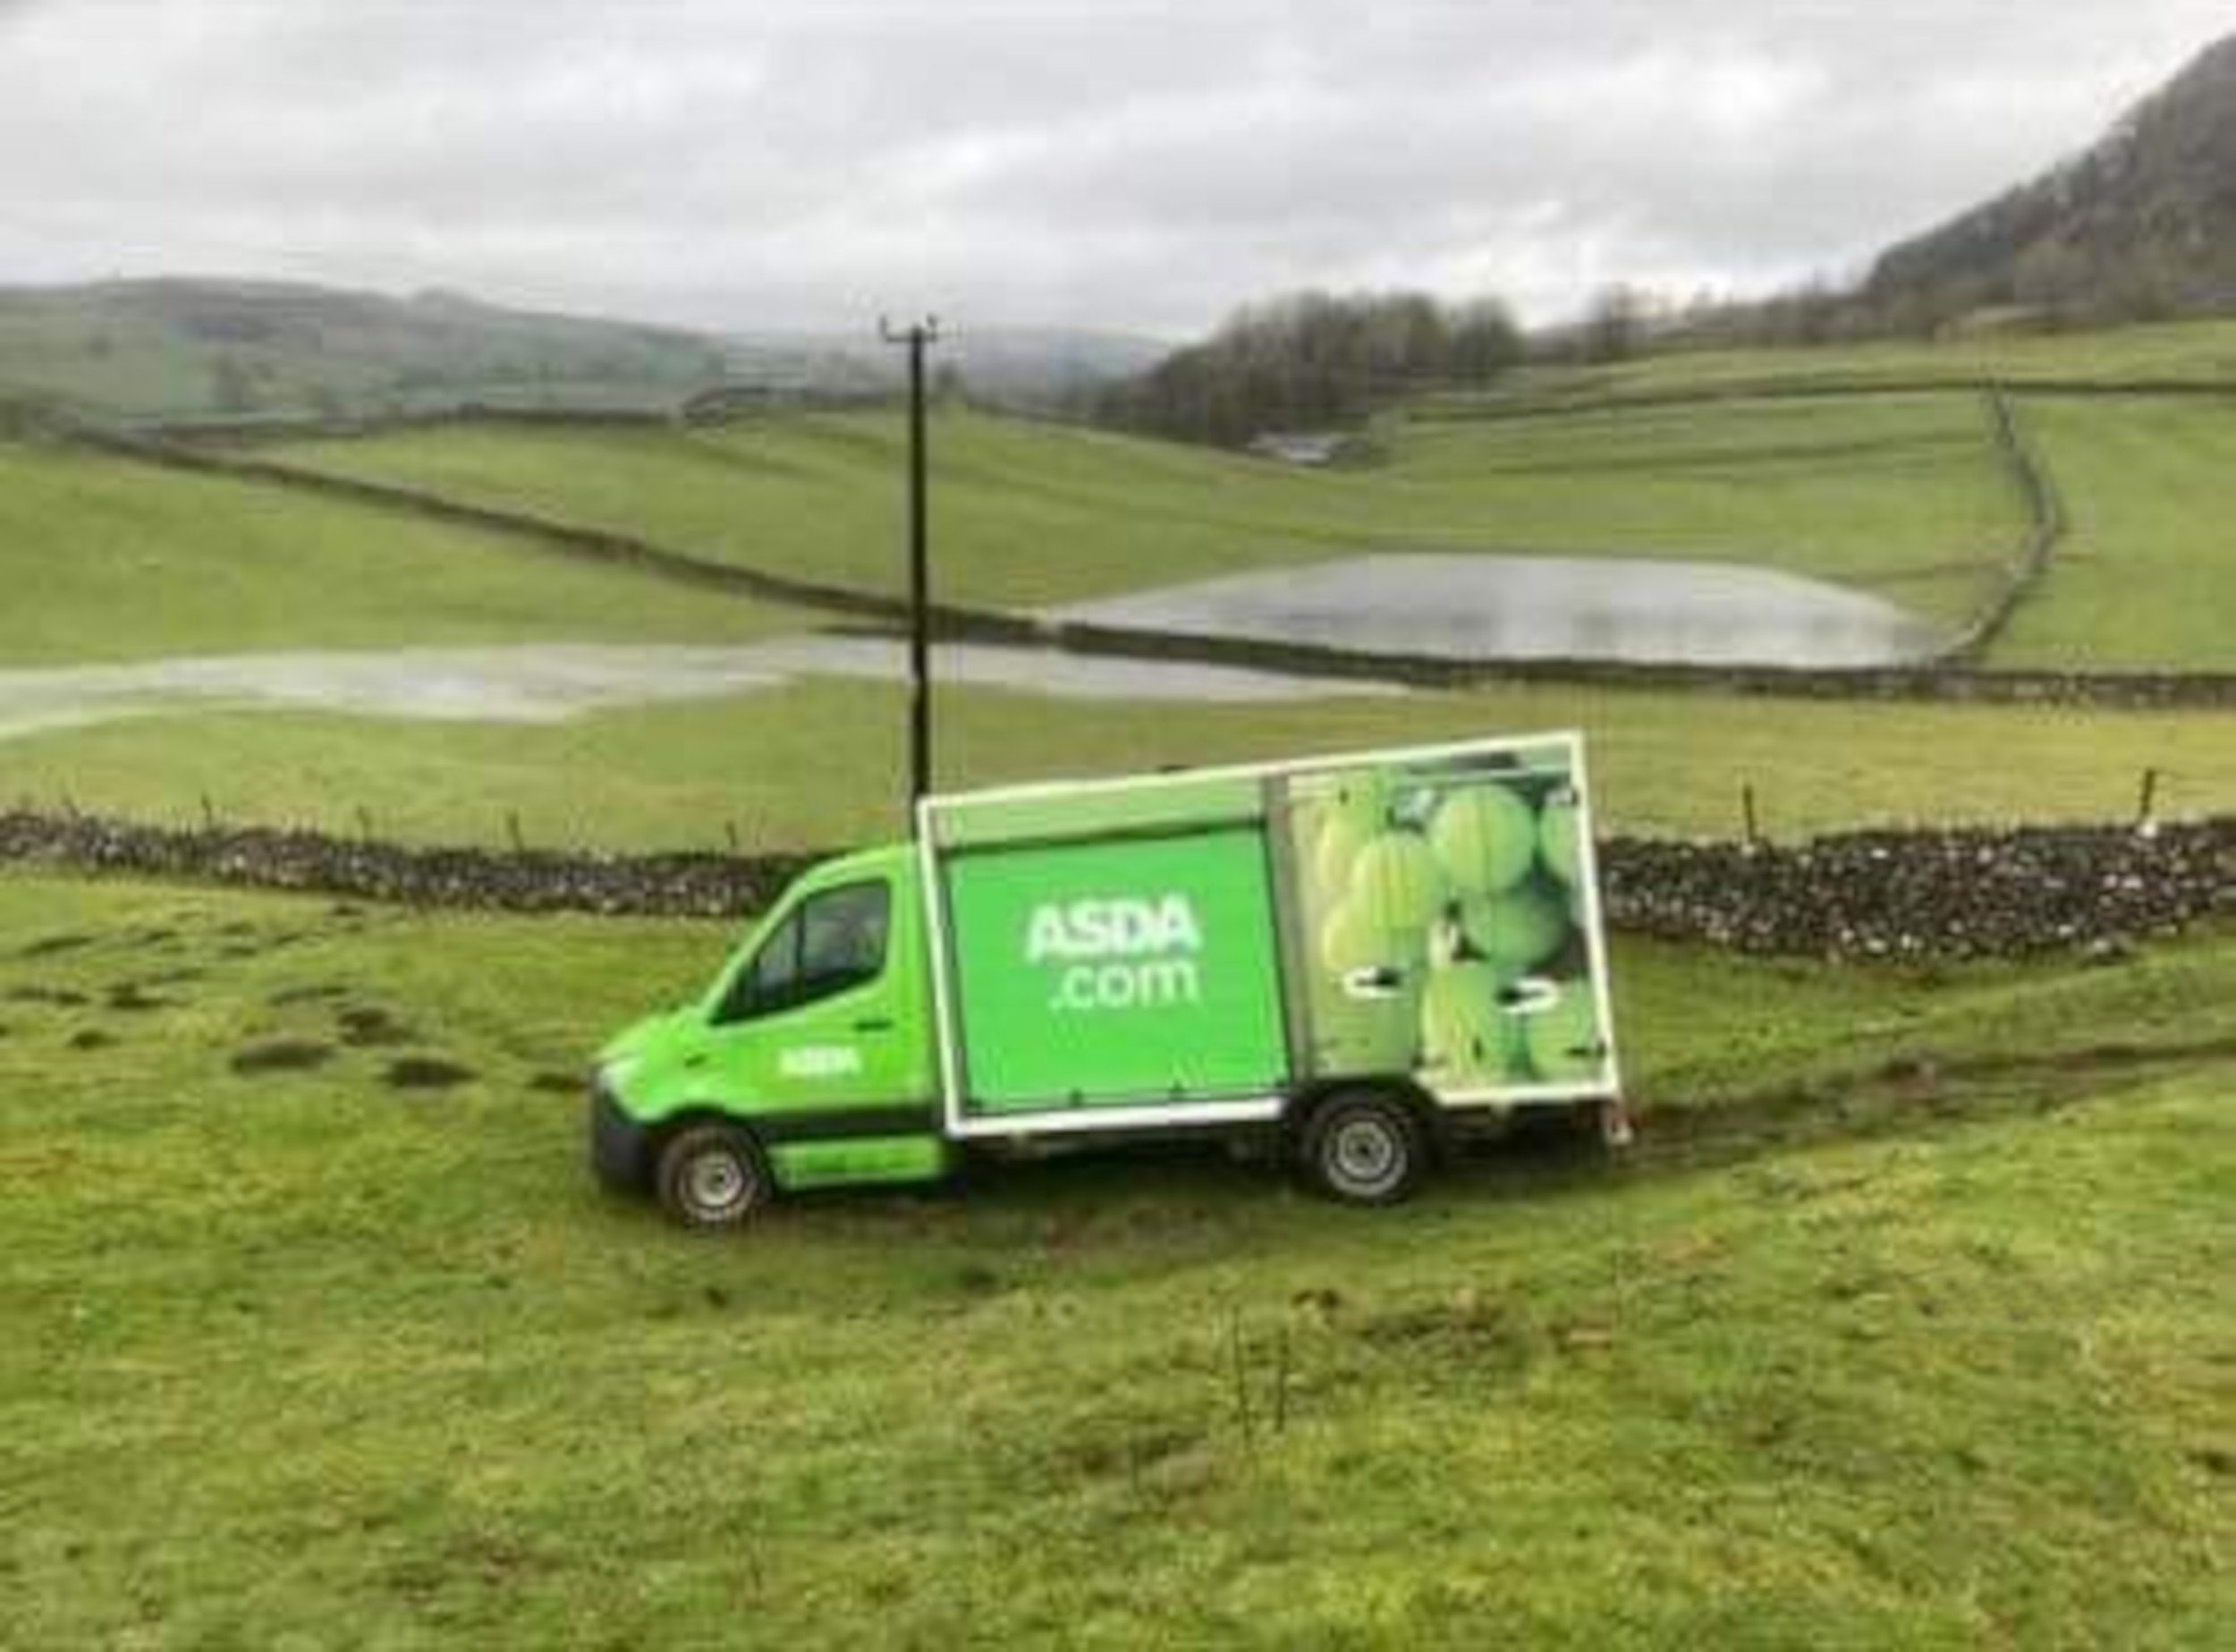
pixel 107 561
pixel 1904 494
pixel 2148 574
pixel 1899 493
pixel 2200 355
pixel 174 347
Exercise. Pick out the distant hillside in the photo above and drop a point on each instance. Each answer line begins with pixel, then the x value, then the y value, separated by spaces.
pixel 181 348
pixel 195 348
pixel 2141 225
pixel 1031 367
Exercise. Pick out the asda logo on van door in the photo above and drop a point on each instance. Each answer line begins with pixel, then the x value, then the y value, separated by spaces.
pixel 1119 953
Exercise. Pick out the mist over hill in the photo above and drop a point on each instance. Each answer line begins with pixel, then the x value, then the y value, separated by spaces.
pixel 239 349
pixel 181 347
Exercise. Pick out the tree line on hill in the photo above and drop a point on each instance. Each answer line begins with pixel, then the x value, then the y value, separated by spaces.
pixel 2141 226
pixel 1311 360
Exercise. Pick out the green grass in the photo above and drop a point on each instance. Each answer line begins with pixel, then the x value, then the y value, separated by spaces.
pixel 2197 352
pixel 2147 573
pixel 1902 495
pixel 104 560
pixel 300 1357
pixel 820 764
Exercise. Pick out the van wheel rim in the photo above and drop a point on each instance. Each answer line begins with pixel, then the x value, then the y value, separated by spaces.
pixel 1363 1156
pixel 716 1183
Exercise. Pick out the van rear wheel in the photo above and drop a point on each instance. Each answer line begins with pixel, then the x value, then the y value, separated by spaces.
pixel 713 1176
pixel 1364 1147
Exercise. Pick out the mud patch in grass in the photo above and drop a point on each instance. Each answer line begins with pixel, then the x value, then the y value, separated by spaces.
pixel 365 1026
pixel 281 1055
pixel 426 1073
pixel 61 997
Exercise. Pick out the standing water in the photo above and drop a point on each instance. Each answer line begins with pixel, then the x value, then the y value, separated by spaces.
pixel 1538 608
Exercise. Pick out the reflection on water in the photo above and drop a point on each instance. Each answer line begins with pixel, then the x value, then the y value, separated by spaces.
pixel 1537 608
pixel 549 682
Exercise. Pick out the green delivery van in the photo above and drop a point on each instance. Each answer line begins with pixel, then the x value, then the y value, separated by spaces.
pixel 1349 959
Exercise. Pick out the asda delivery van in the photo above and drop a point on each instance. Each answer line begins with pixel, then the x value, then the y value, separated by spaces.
pixel 1346 957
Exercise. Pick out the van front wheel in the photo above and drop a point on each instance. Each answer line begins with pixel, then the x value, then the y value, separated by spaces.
pixel 713 1176
pixel 1362 1148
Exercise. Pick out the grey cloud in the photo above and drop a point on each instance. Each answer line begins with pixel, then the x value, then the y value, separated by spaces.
pixel 1129 164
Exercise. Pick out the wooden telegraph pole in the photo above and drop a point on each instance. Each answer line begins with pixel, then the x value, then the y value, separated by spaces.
pixel 915 338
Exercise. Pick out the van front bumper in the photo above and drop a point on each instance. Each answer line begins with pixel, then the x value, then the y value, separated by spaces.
pixel 620 1149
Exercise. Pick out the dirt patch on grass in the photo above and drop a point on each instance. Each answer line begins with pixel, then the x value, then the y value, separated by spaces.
pixel 1910 1086
pixel 281 1056
pixel 132 999
pixel 555 1083
pixel 90 1039
pixel 61 997
pixel 365 1026
pixel 425 1073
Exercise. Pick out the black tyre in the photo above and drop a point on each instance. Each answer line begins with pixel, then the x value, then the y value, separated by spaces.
pixel 713 1176
pixel 1364 1147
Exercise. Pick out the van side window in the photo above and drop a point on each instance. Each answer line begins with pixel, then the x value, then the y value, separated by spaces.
pixel 843 937
pixel 832 941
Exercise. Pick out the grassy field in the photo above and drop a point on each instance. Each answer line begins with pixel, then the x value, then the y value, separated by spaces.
pixel 818 764
pixel 2192 353
pixel 1902 495
pixel 2147 573
pixel 107 561
pixel 1938 1358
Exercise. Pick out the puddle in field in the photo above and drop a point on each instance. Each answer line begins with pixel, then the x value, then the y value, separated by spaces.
pixel 549 682
pixel 1485 606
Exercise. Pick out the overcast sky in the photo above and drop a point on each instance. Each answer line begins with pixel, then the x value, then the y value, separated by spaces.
pixel 808 163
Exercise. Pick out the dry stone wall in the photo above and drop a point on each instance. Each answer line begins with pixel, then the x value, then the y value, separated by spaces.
pixel 1954 894
pixel 1928 893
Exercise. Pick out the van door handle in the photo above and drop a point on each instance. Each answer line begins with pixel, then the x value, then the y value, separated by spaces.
pixel 874 1023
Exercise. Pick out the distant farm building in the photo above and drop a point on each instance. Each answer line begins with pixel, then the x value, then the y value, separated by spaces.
pixel 1300 448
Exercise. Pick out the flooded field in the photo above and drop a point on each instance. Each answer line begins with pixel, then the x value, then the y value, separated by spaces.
pixel 549 682
pixel 1471 606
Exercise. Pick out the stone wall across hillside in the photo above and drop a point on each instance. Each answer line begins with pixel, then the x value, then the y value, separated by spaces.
pixel 1927 894
pixel 883 614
